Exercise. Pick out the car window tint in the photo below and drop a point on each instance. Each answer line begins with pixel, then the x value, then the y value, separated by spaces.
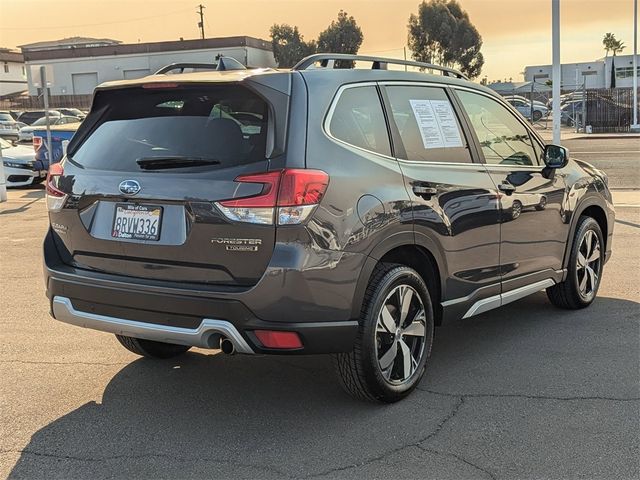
pixel 358 120
pixel 227 124
pixel 503 139
pixel 428 125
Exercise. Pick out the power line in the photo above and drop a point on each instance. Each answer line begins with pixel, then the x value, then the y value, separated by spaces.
pixel 100 24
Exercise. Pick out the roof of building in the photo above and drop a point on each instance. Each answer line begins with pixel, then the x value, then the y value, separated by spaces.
pixel 8 55
pixel 141 48
pixel 70 42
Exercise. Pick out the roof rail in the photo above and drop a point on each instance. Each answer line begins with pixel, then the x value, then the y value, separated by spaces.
pixel 224 63
pixel 327 60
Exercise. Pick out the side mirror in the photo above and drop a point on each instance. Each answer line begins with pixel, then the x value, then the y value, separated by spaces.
pixel 556 156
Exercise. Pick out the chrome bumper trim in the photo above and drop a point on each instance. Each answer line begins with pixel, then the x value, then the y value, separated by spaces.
pixel 200 337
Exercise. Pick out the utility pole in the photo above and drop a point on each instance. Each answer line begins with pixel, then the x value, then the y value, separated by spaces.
pixel 201 22
pixel 556 78
pixel 635 127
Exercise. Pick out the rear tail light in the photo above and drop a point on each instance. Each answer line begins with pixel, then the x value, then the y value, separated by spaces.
pixel 279 340
pixel 289 195
pixel 37 143
pixel 56 198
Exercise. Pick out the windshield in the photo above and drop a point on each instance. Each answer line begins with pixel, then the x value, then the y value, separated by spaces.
pixel 43 121
pixel 224 125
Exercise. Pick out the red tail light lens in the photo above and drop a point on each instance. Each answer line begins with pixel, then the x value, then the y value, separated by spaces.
pixel 292 194
pixel 302 187
pixel 56 198
pixel 280 340
pixel 55 171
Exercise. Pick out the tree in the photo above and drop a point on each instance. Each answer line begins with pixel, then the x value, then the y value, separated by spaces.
pixel 289 46
pixel 342 36
pixel 612 44
pixel 442 33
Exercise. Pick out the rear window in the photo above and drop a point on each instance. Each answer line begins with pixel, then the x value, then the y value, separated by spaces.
pixel 226 125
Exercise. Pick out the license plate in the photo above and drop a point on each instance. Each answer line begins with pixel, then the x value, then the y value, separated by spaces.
pixel 136 222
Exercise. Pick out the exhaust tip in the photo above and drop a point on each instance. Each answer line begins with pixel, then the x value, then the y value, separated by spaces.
pixel 227 346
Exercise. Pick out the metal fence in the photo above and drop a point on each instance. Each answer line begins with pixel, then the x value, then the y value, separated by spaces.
pixel 82 102
pixel 609 109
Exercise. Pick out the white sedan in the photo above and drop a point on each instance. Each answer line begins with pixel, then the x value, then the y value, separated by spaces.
pixel 26 133
pixel 20 166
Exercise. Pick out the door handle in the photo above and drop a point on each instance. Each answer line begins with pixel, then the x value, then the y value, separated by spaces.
pixel 424 190
pixel 506 188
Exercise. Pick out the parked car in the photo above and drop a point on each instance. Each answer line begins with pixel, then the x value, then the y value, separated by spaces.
pixel 60 138
pixel 524 108
pixel 72 112
pixel 26 133
pixel 31 116
pixel 20 167
pixel 357 210
pixel 9 128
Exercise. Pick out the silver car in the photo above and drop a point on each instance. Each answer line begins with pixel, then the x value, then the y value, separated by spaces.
pixel 26 133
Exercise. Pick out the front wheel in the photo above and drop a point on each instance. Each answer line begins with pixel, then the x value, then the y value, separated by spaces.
pixel 394 338
pixel 585 268
pixel 150 348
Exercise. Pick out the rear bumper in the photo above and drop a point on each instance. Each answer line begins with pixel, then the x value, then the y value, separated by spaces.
pixel 183 314
pixel 206 335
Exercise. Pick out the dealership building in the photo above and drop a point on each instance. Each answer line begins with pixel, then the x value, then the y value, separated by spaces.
pixel 596 74
pixel 75 66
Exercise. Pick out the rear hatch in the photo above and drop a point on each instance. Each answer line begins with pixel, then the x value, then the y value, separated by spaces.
pixel 141 183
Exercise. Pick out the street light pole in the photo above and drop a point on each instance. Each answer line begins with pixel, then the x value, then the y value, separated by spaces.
pixel 556 77
pixel 635 127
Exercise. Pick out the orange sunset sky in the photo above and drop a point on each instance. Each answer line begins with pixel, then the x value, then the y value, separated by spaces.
pixel 515 32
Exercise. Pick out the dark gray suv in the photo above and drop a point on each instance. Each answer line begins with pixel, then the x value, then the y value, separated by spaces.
pixel 314 210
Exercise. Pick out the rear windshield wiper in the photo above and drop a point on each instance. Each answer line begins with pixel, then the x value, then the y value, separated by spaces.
pixel 161 163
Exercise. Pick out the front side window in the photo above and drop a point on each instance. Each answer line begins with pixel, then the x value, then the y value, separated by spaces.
pixel 504 140
pixel 428 125
pixel 358 120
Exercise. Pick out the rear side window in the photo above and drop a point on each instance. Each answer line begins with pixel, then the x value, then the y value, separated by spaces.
pixel 428 125
pixel 223 125
pixel 358 120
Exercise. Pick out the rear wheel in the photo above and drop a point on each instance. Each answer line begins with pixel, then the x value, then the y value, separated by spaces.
pixel 585 268
pixel 537 115
pixel 394 337
pixel 151 349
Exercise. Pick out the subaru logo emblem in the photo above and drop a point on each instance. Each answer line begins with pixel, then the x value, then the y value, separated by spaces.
pixel 130 187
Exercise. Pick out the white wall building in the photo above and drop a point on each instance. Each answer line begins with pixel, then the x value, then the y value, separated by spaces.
pixel 573 77
pixel 13 77
pixel 78 69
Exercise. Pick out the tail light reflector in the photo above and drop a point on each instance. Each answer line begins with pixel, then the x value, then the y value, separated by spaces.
pixel 37 143
pixel 279 340
pixel 55 197
pixel 292 194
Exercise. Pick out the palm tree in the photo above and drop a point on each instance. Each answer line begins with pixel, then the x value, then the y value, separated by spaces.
pixel 617 47
pixel 608 42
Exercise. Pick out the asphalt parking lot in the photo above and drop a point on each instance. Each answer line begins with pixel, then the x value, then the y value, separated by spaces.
pixel 527 391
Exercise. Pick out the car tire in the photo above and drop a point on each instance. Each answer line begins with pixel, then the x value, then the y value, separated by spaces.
pixel 150 348
pixel 585 268
pixel 537 115
pixel 386 365
pixel 542 204
pixel 516 209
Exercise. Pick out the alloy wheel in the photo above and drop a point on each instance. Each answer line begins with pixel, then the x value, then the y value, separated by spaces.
pixel 588 264
pixel 400 334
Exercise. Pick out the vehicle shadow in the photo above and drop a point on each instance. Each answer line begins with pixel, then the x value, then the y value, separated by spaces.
pixel 246 417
